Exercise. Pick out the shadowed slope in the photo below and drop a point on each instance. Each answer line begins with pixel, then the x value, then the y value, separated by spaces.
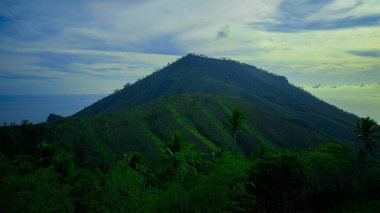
pixel 200 118
pixel 269 92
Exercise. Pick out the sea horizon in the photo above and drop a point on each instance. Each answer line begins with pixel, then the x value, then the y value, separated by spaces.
pixel 36 108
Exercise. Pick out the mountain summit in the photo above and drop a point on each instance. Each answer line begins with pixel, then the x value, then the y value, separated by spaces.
pixel 267 91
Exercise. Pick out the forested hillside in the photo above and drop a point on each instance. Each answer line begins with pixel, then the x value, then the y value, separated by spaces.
pixel 200 135
pixel 43 173
pixel 268 92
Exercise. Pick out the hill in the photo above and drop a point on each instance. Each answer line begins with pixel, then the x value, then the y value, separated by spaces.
pixel 155 146
pixel 269 92
pixel 200 118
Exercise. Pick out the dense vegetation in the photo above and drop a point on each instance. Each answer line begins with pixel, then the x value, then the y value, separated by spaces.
pixel 42 176
pixel 103 138
pixel 195 137
pixel 270 93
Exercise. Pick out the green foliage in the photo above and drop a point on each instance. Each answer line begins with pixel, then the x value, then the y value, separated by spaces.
pixel 86 190
pixel 235 123
pixel 222 188
pixel 368 132
pixel 124 189
pixel 180 158
pixel 330 177
pixel 332 166
pixel 208 76
pixel 333 175
pixel 110 162
pixel 276 182
pixel 162 199
pixel 218 153
pixel 179 154
pixel 39 191
pixel 135 161
pixel 99 141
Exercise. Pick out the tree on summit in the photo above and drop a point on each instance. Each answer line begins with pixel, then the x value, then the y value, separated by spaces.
pixel 235 122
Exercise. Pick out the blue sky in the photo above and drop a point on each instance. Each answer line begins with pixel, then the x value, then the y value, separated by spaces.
pixel 94 47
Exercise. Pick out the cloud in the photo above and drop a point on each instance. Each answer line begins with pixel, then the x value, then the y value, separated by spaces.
pixel 223 33
pixel 73 70
pixel 304 15
pixel 29 77
pixel 361 99
pixel 298 10
pixel 349 22
pixel 339 9
pixel 114 42
pixel 367 53
pixel 362 86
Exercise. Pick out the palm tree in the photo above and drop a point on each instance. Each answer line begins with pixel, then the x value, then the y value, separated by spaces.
pixel 179 157
pixel 172 162
pixel 368 132
pixel 235 122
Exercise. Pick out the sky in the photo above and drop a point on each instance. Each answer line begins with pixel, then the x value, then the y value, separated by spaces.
pixel 95 47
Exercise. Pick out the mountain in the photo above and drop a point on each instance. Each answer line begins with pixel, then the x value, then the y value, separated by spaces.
pixel 192 95
pixel 53 118
pixel 163 139
pixel 200 118
pixel 271 93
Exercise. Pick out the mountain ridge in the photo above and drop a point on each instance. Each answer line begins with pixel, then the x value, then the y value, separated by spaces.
pixel 199 117
pixel 269 92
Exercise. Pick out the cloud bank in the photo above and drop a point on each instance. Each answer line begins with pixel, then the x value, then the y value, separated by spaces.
pixel 71 46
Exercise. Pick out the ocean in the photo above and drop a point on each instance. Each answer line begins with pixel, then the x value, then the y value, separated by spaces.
pixel 36 108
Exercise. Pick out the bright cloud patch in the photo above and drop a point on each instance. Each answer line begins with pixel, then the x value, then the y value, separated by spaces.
pixel 361 99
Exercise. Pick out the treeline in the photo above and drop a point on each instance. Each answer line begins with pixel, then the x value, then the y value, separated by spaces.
pixel 331 177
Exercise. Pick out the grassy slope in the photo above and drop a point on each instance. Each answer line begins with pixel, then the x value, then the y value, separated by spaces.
pixel 271 93
pixel 200 118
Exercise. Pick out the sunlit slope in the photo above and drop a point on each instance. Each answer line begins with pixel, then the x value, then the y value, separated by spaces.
pixel 271 93
pixel 200 119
